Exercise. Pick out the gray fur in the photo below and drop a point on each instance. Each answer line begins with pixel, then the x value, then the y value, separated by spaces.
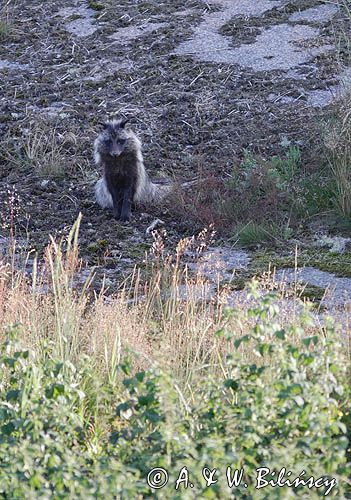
pixel 129 161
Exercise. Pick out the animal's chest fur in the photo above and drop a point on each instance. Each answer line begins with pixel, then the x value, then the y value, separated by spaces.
pixel 121 172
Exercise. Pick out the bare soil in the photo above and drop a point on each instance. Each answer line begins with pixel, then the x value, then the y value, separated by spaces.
pixel 68 66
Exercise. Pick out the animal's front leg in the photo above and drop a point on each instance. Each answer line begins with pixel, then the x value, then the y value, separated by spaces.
pixel 117 197
pixel 126 204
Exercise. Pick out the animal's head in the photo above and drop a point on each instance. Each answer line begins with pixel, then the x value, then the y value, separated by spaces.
pixel 115 139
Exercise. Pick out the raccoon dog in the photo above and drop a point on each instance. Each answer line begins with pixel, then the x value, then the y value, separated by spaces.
pixel 118 151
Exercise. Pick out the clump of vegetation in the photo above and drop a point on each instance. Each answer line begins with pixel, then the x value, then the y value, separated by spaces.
pixel 253 234
pixel 95 394
pixel 273 194
pixel 337 138
pixel 336 263
pixel 4 29
pixel 337 127
pixel 95 5
pixel 313 293
pixel 285 405
pixel 43 149
pixel 343 40
pixel 6 24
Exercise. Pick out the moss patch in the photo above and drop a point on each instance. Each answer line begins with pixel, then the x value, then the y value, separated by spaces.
pixel 96 5
pixel 338 264
pixel 313 293
pixel 262 262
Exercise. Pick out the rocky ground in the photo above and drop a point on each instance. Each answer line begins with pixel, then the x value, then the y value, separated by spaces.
pixel 203 80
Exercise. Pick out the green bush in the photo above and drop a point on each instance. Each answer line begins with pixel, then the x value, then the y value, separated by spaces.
pixel 278 401
pixel 281 412
pixel 45 433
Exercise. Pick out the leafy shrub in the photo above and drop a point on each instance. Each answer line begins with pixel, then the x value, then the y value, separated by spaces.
pixel 278 401
pixel 272 191
pixel 280 410
pixel 45 432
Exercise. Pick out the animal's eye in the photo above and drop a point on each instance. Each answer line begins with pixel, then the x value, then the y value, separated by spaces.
pixel 107 142
pixel 122 141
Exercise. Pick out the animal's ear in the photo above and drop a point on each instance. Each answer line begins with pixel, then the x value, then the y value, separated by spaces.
pixel 103 125
pixel 123 122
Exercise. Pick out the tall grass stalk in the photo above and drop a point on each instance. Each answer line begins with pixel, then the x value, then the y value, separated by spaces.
pixel 337 139
pixel 163 313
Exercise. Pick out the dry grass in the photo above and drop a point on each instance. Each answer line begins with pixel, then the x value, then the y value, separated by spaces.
pixel 4 29
pixel 337 140
pixel 44 151
pixel 44 148
pixel 5 24
pixel 346 4
pixel 170 319
pixel 71 321
pixel 337 134
pixel 8 28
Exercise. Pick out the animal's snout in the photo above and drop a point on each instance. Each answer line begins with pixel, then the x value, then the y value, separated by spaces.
pixel 116 152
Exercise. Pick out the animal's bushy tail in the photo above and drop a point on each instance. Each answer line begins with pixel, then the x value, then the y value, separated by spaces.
pixel 147 192
pixel 152 192
pixel 102 194
pixel 155 192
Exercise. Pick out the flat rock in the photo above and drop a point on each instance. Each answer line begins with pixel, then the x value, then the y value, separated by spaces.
pixel 10 65
pixel 126 35
pixel 220 263
pixel 338 290
pixel 82 26
pixel 275 48
pixel 319 14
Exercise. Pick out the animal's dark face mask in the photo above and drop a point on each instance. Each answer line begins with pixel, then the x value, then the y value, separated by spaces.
pixel 115 138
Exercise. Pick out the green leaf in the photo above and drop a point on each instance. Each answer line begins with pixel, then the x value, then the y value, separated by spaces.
pixel 35 481
pixel 8 429
pixel 334 368
pixel 295 389
pixel 220 332
pixel 122 408
pixel 146 400
pixel 265 348
pixel 10 362
pixel 231 384
pixel 21 354
pixel 239 341
pixel 140 376
pixel 13 395
pixel 308 360
pixel 55 390
pixel 310 340
pixel 280 335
